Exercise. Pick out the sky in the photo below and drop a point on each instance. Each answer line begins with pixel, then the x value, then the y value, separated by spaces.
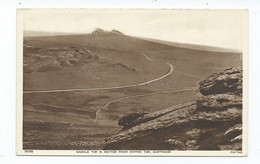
pixel 219 28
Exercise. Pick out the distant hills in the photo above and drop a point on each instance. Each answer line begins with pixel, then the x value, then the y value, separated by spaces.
pixel 101 32
pixel 97 31
pixel 42 33
pixel 192 46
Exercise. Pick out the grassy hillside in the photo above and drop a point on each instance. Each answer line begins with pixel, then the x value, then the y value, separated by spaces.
pixel 69 120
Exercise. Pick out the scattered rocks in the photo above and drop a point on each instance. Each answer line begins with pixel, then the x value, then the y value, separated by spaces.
pixel 231 146
pixel 194 133
pixel 75 57
pixel 175 143
pixel 191 145
pixel 53 59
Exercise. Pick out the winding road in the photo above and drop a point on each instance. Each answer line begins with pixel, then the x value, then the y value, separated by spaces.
pixel 171 69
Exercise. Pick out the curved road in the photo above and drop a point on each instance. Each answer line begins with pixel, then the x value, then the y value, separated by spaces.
pixel 171 68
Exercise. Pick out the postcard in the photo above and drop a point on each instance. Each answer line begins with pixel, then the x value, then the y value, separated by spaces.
pixel 132 82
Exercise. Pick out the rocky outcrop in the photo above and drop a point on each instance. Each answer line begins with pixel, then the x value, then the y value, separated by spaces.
pixel 138 118
pixel 231 114
pixel 212 122
pixel 53 59
pixel 100 32
pixel 170 117
pixel 219 102
pixel 130 120
pixel 116 32
pixel 229 80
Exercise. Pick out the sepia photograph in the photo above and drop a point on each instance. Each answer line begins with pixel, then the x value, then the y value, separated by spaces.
pixel 132 82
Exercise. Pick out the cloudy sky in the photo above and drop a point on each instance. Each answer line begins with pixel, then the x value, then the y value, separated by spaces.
pixel 223 28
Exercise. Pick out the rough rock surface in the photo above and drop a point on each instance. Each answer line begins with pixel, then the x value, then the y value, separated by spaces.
pixel 130 120
pixel 231 114
pixel 229 80
pixel 138 118
pixel 212 122
pixel 234 131
pixel 175 142
pixel 176 117
pixel 219 102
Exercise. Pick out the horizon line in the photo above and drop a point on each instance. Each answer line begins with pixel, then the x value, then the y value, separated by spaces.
pixel 139 37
